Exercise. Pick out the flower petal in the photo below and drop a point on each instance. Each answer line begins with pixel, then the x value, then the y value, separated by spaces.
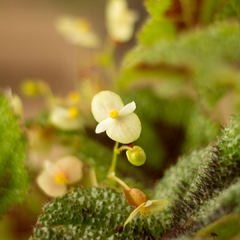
pixel 69 28
pixel 120 20
pixel 129 108
pixel 46 182
pixel 125 129
pixel 88 39
pixel 148 203
pixel 60 118
pixel 103 103
pixel 51 167
pixel 71 167
pixel 133 214
pixel 157 205
pixel 104 125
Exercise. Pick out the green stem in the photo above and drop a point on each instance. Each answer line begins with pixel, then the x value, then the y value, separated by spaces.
pixel 114 159
pixel 119 181
pixel 124 147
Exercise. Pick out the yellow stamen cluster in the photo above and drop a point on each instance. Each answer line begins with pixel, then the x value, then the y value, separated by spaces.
pixel 83 25
pixel 73 112
pixel 60 178
pixel 34 87
pixel 74 97
pixel 30 88
pixel 113 114
pixel 144 211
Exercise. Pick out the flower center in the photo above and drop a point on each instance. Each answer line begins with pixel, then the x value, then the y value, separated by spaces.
pixel 82 25
pixel 73 112
pixel 113 114
pixel 144 211
pixel 30 88
pixel 60 178
pixel 74 97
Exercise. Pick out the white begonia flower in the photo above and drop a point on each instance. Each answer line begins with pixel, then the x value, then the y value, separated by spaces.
pixel 54 178
pixel 77 31
pixel 120 20
pixel 65 118
pixel 119 121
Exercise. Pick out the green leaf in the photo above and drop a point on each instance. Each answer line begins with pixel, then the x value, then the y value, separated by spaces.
pixel 231 9
pixel 93 213
pixel 13 145
pixel 196 181
pixel 206 56
pixel 209 9
pixel 157 26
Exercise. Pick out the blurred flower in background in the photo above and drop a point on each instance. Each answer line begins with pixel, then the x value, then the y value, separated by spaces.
pixel 65 118
pixel 43 145
pixel 120 20
pixel 77 31
pixel 15 102
pixel 53 180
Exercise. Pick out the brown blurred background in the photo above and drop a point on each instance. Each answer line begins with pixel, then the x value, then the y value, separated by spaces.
pixel 30 47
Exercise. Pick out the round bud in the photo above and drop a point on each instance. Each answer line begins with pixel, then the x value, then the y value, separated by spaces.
pixel 136 156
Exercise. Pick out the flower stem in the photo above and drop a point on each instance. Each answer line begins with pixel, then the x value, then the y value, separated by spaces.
pixel 124 147
pixel 113 165
pixel 114 158
pixel 119 181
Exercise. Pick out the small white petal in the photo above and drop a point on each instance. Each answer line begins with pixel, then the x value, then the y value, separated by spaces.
pixel 104 125
pixel 88 39
pixel 157 205
pixel 148 203
pixel 125 129
pixel 69 28
pixel 120 20
pixel 129 108
pixel 133 214
pixel 60 118
pixel 46 182
pixel 51 167
pixel 103 103
pixel 71 167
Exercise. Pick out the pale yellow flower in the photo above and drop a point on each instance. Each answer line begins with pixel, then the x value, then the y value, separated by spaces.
pixel 42 145
pixel 119 121
pixel 73 98
pixel 65 118
pixel 53 180
pixel 138 199
pixel 120 20
pixel 77 31
pixel 147 208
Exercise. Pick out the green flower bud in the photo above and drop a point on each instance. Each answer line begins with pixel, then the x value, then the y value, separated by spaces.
pixel 136 156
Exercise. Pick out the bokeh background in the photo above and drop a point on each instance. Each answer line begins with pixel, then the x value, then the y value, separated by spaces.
pixel 31 48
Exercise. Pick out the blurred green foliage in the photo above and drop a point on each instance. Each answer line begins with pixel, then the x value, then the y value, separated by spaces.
pixel 184 75
pixel 13 145
pixel 202 187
